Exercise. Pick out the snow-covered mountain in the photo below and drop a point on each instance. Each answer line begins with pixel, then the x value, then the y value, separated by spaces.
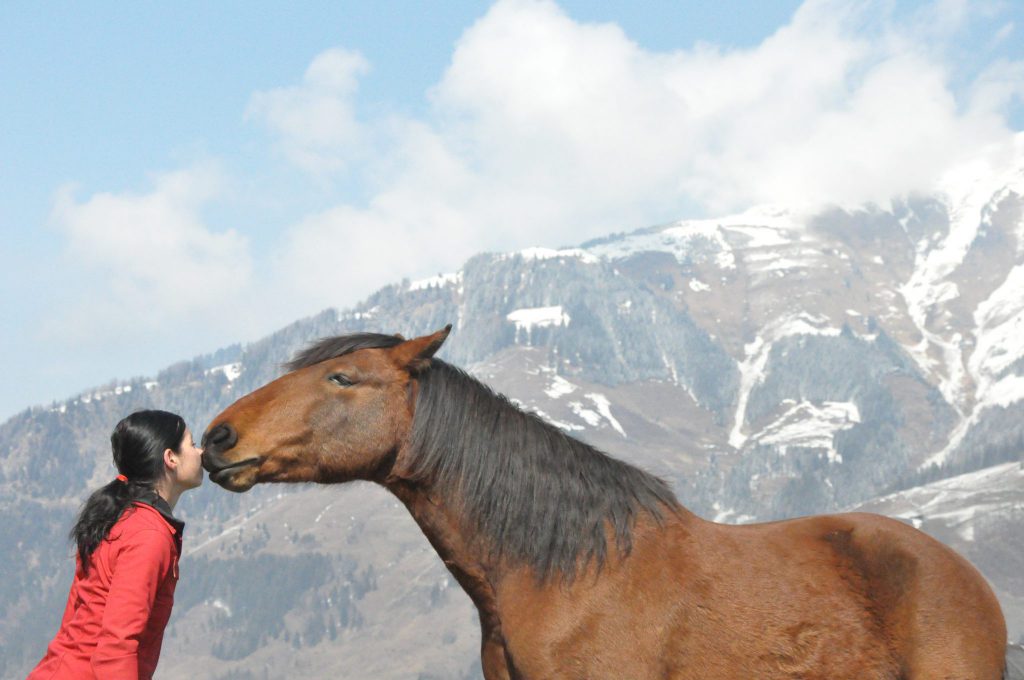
pixel 778 362
pixel 942 276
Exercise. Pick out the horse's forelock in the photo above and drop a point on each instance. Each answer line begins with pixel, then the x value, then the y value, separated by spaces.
pixel 340 345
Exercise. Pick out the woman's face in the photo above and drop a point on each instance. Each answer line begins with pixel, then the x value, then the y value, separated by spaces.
pixel 189 472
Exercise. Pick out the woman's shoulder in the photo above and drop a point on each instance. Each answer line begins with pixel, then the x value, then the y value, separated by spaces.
pixel 141 522
pixel 140 545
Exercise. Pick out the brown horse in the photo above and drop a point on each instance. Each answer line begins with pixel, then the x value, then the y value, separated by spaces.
pixel 582 566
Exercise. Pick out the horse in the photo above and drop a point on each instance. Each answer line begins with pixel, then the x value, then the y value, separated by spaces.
pixel 582 566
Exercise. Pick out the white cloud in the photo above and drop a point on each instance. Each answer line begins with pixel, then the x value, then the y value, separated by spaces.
pixel 824 110
pixel 147 262
pixel 547 131
pixel 418 223
pixel 315 121
pixel 1003 33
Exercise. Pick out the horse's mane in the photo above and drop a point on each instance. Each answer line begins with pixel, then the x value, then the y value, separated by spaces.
pixel 534 494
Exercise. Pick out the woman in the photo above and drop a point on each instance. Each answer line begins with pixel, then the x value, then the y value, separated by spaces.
pixel 128 547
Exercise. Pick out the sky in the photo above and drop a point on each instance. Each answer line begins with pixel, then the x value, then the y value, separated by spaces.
pixel 178 177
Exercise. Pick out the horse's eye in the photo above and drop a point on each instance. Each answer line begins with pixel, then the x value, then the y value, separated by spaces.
pixel 341 380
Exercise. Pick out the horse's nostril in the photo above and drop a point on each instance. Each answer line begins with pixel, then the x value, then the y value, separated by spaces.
pixel 222 437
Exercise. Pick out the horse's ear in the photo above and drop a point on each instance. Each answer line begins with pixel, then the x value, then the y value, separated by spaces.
pixel 414 354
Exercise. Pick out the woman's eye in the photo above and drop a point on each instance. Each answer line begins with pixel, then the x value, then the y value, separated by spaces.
pixel 341 380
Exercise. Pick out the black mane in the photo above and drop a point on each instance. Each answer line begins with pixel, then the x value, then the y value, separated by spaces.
pixel 534 494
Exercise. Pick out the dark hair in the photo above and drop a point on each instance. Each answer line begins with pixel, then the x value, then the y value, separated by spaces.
pixel 331 348
pixel 537 495
pixel 138 443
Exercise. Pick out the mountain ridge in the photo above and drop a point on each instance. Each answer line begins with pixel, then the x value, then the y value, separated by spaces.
pixel 768 364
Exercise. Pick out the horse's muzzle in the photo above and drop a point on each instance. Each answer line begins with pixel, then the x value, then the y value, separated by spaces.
pixel 216 465
pixel 216 441
pixel 220 438
pixel 221 472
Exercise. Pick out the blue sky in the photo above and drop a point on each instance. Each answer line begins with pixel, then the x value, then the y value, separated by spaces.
pixel 179 176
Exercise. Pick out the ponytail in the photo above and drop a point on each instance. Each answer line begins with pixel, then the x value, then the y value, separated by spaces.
pixel 104 507
pixel 138 444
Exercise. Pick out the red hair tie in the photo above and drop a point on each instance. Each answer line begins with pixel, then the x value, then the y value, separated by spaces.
pixel 122 478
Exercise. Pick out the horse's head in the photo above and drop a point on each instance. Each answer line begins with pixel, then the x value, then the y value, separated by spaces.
pixel 339 414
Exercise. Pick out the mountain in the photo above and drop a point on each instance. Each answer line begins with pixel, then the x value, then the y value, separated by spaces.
pixel 769 364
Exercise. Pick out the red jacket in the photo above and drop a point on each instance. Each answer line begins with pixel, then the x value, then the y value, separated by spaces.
pixel 114 621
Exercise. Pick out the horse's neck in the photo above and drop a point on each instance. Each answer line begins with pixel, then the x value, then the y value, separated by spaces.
pixel 465 558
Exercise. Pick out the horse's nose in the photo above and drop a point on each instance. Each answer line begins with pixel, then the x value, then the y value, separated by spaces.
pixel 220 438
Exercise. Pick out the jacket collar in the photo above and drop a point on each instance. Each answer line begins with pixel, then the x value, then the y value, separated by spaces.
pixel 155 501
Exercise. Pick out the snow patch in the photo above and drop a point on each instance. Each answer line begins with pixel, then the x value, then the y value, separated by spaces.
pixel 604 408
pixel 559 387
pixel 752 368
pixel 1007 391
pixel 601 412
pixel 230 371
pixel 560 424
pixel 729 515
pixel 221 605
pixel 679 240
pixel 439 281
pixel 591 418
pixel 782 264
pixel 807 425
pixel 322 513
pixel 368 314
pixel 698 286
pixel 671 366
pixel 999 325
pixel 970 191
pixel 540 317
pixel 551 253
pixel 959 502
